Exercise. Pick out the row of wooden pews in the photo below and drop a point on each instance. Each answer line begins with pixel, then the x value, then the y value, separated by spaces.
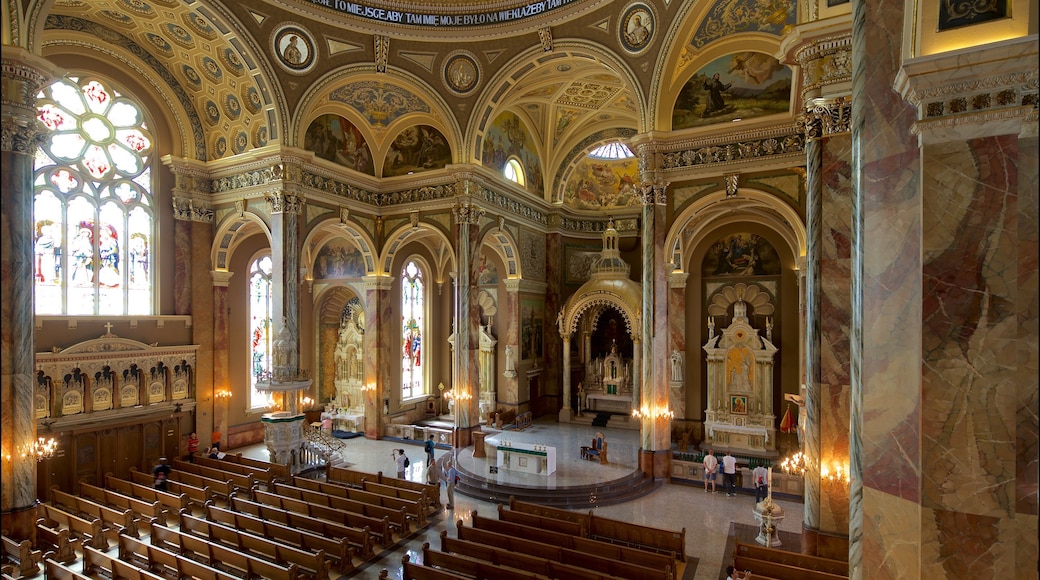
pixel 20 557
pixel 770 563
pixel 524 546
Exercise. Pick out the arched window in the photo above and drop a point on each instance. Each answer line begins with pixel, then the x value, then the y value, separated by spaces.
pixel 260 328
pixel 413 330
pixel 515 172
pixel 93 210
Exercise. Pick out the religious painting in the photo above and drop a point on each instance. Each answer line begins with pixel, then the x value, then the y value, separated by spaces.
pixel 636 28
pixel 734 87
pixel 725 18
pixel 294 48
pixel 415 149
pixel 956 14
pixel 336 139
pixel 577 263
pixel 532 315
pixel 339 259
pixel 740 369
pixel 487 272
pixel 461 72
pixel 508 137
pixel 738 405
pixel 603 184
pixel 741 255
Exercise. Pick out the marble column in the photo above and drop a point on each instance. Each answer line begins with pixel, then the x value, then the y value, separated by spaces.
pixel 286 208
pixel 677 339
pixel 221 388
pixel 944 333
pixel 23 75
pixel 467 347
pixel 655 433
pixel 566 413
pixel 509 319
pixel 379 330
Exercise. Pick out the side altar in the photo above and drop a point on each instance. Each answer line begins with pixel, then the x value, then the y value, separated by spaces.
pixel 740 413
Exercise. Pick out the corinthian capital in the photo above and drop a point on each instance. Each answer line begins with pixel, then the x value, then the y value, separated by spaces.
pixel 467 213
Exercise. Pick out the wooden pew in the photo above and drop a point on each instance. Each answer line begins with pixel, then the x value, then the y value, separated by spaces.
pixel 543 522
pixel 595 562
pixel 143 510
pixel 239 563
pixel 397 492
pixel 764 568
pixel 88 532
pixel 616 531
pixel 172 503
pixel 432 491
pixel 260 474
pixel 472 567
pixel 312 564
pixel 336 548
pixel 55 570
pixel 413 509
pixel 378 528
pixel 114 520
pixel 796 559
pixel 279 471
pixel 237 480
pixel 22 556
pixel 412 571
pixel 57 544
pixel 325 506
pixel 548 567
pixel 196 494
pixel 96 562
pixel 621 553
pixel 163 562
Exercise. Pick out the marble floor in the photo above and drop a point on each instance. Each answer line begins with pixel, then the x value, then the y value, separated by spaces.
pixel 711 520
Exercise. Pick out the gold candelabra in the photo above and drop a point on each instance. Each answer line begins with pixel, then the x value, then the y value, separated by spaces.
pixel 42 449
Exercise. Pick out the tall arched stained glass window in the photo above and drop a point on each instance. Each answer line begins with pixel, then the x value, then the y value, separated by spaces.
pixel 260 329
pixel 93 210
pixel 413 331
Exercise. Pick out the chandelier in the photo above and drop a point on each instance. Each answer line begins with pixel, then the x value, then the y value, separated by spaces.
pixel 42 449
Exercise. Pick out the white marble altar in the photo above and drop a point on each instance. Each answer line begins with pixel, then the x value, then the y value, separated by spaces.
pixel 526 457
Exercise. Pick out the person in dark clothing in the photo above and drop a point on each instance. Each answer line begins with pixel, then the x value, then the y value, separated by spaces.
pixel 161 473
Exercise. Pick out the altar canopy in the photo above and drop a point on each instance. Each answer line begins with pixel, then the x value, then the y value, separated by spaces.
pixel 740 386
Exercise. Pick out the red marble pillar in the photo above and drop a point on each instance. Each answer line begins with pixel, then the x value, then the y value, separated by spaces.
pixel 220 390
pixel 379 329
pixel 466 381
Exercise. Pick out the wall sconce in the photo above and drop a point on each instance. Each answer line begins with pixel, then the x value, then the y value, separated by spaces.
pixel 367 388
pixel 222 394
pixel 796 463
pixel 307 401
pixel 653 412
pixel 42 449
pixel 834 472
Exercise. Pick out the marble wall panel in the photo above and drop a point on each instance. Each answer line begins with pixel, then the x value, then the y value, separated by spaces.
pixel 1027 400
pixel 509 319
pixel 549 381
pixel 970 325
pixel 183 253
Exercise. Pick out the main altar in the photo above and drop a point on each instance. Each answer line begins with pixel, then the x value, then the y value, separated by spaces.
pixel 740 414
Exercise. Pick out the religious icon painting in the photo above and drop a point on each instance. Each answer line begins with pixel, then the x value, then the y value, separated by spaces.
pixel 294 48
pixel 636 28
pixel 461 72
pixel 738 405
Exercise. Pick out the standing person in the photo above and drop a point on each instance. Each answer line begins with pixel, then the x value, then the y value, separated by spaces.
pixel 428 447
pixel 451 477
pixel 760 476
pixel 193 446
pixel 711 470
pixel 401 460
pixel 729 473
pixel 161 473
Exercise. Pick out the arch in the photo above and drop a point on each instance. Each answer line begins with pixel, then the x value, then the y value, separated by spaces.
pixel 441 249
pixel 675 67
pixel 502 243
pixel 714 210
pixel 568 322
pixel 326 229
pixel 317 100
pixel 231 232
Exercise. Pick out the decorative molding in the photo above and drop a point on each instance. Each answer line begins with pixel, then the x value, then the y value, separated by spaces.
pixel 188 209
pixel 282 202
pixel 828 117
pixel 252 178
pixel 20 138
pixel 516 207
pixel 466 213
pixel 654 194
pixel 382 51
pixel 221 278
pixel 545 37
pixel 825 61
pixel 716 151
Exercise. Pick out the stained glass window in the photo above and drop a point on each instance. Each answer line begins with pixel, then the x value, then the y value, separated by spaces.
pixel 93 210
pixel 260 330
pixel 412 331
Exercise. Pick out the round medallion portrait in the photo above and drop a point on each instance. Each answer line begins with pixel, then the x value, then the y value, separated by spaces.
pixel 636 28
pixel 461 72
pixel 294 48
